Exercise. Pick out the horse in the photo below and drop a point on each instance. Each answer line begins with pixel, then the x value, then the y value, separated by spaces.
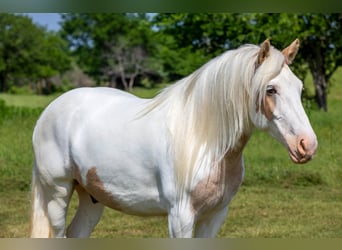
pixel 178 154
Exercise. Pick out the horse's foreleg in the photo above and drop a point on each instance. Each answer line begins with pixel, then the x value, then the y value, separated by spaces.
pixel 181 223
pixel 208 226
pixel 87 216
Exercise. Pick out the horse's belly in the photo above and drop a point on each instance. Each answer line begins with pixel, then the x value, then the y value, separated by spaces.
pixel 123 175
pixel 129 195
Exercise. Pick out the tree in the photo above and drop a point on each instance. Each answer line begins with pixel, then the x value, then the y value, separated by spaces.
pixel 188 40
pixel 111 46
pixel 211 34
pixel 322 45
pixel 124 62
pixel 29 51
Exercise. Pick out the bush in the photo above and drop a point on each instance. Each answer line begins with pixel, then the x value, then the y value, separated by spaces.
pixel 23 90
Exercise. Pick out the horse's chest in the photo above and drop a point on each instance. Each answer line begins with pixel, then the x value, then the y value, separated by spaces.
pixel 218 188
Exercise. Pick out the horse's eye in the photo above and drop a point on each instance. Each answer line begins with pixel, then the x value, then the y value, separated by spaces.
pixel 271 90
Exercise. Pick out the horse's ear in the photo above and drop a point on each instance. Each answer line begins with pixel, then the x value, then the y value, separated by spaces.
pixel 290 52
pixel 264 52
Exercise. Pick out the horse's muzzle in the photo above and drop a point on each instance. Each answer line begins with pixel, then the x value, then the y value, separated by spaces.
pixel 304 150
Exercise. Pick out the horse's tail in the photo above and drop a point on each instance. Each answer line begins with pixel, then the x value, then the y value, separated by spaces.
pixel 40 225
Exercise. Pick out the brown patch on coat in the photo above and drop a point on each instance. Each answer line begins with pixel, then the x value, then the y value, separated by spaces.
pixel 76 175
pixel 223 182
pixel 95 188
pixel 267 107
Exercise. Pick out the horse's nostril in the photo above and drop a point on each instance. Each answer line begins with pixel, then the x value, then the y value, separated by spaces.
pixel 302 143
pixel 302 147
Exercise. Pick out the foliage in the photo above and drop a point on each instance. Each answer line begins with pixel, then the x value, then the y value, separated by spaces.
pixel 188 40
pixel 197 37
pixel 177 62
pixel 28 52
pixel 111 46
pixel 322 45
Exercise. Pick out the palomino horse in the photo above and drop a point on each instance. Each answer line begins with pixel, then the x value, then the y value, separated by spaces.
pixel 178 154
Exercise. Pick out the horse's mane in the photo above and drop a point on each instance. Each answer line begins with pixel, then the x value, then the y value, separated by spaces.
pixel 208 111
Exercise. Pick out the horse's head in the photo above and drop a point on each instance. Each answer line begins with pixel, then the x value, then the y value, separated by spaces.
pixel 276 106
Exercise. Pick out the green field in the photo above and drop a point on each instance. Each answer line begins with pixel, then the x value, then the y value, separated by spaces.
pixel 277 199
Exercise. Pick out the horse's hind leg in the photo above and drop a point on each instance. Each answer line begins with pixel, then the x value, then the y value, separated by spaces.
pixel 87 216
pixel 49 207
pixel 57 207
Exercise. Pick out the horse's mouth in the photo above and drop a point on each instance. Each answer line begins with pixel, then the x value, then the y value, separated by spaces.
pixel 298 158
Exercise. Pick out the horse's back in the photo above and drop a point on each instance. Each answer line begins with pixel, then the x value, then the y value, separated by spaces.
pixel 64 118
pixel 73 103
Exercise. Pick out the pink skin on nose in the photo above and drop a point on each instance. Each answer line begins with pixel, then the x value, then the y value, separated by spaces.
pixel 303 150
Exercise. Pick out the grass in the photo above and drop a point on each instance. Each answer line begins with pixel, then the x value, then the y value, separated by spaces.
pixel 31 101
pixel 297 212
pixel 277 199
pixel 34 101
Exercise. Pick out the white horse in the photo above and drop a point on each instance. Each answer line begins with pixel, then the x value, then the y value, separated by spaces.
pixel 178 154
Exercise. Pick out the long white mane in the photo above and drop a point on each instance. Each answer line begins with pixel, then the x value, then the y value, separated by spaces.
pixel 208 111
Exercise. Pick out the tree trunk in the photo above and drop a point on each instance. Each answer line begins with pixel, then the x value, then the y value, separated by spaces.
pixel 113 83
pixel 123 79
pixel 124 83
pixel 321 84
pixel 3 86
pixel 317 68
pixel 321 91
pixel 39 87
pixel 131 83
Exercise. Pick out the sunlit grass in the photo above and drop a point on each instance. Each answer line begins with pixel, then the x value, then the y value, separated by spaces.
pixel 260 211
pixel 32 101
pixel 296 212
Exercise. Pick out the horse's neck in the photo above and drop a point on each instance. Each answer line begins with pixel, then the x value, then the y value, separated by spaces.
pixel 242 142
